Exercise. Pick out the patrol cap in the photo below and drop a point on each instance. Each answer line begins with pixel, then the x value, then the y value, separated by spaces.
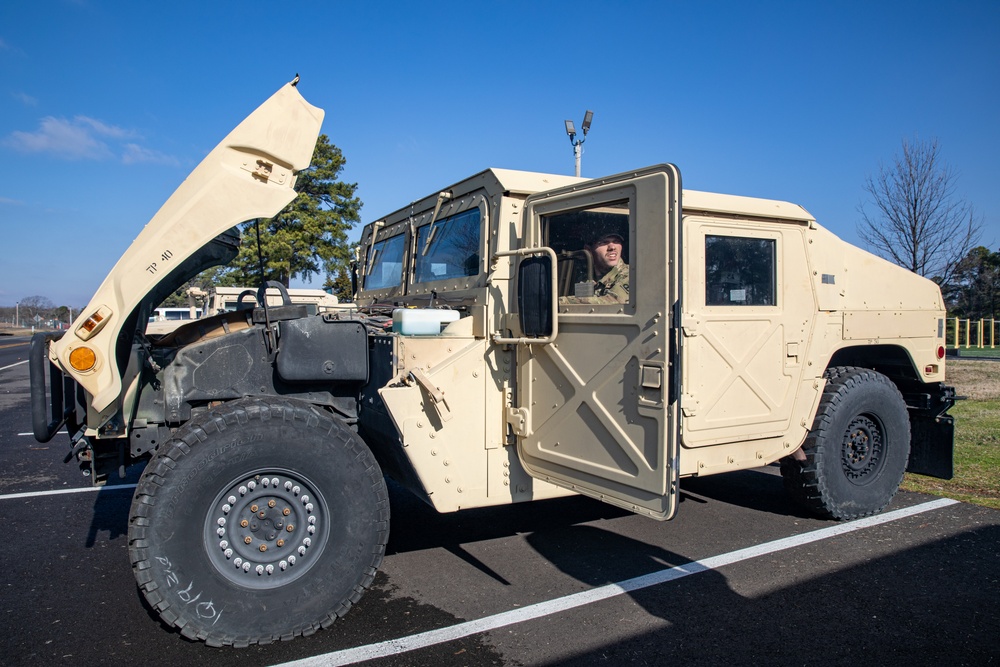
pixel 605 234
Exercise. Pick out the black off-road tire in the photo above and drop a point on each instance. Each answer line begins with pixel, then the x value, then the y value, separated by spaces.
pixel 857 450
pixel 264 519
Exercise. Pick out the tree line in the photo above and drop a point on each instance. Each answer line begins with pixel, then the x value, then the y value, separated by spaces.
pixel 37 310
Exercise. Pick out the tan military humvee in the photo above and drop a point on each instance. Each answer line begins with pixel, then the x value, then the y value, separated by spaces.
pixel 518 336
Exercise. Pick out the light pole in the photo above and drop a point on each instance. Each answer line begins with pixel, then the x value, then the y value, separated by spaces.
pixel 578 143
pixel 17 313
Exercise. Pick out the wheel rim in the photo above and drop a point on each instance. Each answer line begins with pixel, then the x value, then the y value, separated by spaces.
pixel 863 450
pixel 267 528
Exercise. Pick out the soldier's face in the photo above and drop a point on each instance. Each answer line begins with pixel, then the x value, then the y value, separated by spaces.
pixel 607 253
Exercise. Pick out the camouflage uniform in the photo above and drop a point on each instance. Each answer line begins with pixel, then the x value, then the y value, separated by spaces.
pixel 611 288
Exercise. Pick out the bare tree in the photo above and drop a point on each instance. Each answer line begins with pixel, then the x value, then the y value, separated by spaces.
pixel 31 306
pixel 916 220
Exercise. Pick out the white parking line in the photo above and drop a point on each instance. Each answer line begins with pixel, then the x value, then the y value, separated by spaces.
pixel 422 640
pixel 3 368
pixel 59 492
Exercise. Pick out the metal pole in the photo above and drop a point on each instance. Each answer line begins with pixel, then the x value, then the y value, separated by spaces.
pixel 577 151
pixel 17 313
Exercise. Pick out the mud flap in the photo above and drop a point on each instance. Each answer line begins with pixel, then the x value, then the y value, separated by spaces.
pixel 932 446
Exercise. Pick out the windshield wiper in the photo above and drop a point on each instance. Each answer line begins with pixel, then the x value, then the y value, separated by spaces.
pixel 442 198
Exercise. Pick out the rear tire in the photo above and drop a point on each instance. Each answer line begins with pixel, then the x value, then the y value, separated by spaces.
pixel 262 520
pixel 857 450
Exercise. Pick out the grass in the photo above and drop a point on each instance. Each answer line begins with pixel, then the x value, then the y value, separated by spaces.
pixel 977 437
pixel 973 352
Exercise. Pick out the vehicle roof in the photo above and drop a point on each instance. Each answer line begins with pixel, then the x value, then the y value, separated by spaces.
pixel 695 201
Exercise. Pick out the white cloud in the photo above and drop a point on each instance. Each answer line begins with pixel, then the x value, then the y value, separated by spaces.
pixel 103 129
pixel 59 136
pixel 25 99
pixel 85 138
pixel 13 202
pixel 134 154
pixel 6 46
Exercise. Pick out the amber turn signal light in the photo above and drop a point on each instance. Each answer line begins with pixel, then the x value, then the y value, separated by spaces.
pixel 82 359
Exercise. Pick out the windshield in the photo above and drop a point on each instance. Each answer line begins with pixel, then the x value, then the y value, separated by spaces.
pixel 386 264
pixel 453 251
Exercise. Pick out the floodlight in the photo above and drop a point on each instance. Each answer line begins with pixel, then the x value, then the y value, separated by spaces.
pixel 587 118
pixel 570 128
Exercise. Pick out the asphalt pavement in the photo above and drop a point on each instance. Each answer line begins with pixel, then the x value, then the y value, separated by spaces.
pixel 741 577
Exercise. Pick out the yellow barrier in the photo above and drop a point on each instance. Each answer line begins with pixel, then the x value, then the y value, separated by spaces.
pixel 965 334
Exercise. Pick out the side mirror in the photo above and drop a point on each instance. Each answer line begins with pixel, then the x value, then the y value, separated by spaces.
pixel 534 296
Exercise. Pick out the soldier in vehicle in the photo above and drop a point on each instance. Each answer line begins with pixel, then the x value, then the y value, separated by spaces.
pixel 610 282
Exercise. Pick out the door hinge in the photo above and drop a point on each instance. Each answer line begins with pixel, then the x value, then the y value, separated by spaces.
pixel 517 418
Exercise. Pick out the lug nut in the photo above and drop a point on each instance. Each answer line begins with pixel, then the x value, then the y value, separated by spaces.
pixel 244 523
pixel 254 507
pixel 247 540
pixel 286 511
pixel 271 503
pixel 290 528
pixel 280 543
pixel 263 548
pixel 231 500
pixel 259 569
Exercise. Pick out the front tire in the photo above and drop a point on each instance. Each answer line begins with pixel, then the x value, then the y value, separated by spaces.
pixel 857 450
pixel 264 519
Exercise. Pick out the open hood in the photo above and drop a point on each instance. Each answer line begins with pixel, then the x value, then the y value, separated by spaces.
pixel 250 174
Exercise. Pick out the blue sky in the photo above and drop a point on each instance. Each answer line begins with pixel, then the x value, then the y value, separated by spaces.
pixel 106 106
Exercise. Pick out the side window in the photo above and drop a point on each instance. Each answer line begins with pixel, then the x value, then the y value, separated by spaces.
pixel 453 249
pixel 386 263
pixel 739 271
pixel 592 247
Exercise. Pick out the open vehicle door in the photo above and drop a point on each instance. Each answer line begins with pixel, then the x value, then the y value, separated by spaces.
pixel 597 400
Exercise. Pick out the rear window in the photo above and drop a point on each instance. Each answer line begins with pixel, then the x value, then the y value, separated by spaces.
pixel 739 271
